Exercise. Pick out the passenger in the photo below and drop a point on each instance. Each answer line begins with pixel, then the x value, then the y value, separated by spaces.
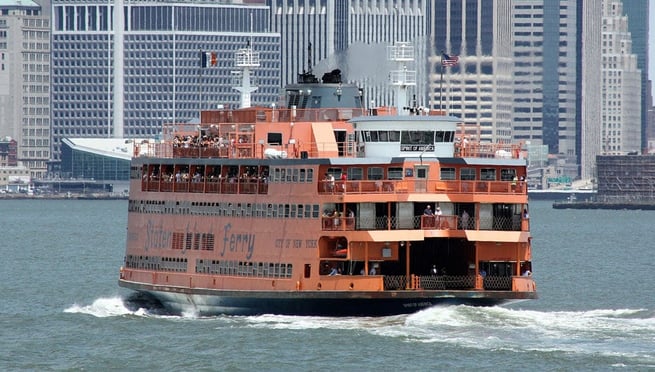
pixel 465 220
pixel 525 213
pixel 329 182
pixel 483 273
pixel 527 273
pixel 428 220
pixel 334 271
pixel 373 270
pixel 428 211
pixel 434 270
pixel 437 214
pixel 350 220
pixel 336 218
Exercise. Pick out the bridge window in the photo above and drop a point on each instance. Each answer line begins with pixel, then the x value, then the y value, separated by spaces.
pixel 442 136
pixel 416 137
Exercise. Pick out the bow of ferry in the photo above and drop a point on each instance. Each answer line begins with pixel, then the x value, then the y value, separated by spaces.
pixel 319 208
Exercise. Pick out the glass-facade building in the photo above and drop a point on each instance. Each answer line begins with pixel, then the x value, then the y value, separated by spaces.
pixel 545 75
pixel 163 79
pixel 82 162
pixel 479 89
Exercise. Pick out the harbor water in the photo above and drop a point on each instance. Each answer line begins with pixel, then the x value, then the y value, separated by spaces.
pixel 61 307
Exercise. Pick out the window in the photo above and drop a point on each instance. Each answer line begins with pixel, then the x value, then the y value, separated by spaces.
pixel 415 140
pixel 395 174
pixel 507 174
pixel 467 174
pixel 447 174
pixel 375 173
pixel 355 173
pixel 488 174
pixel 274 138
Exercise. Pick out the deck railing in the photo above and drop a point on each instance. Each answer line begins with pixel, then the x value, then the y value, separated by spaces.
pixel 223 186
pixel 430 186
pixel 234 146
pixel 259 185
pixel 446 282
pixel 444 222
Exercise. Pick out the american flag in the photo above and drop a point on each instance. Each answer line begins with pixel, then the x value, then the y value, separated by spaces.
pixel 448 61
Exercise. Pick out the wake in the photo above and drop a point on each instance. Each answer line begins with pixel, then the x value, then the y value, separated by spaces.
pixel 135 304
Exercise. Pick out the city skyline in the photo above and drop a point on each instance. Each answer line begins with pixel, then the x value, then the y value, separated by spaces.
pixel 651 42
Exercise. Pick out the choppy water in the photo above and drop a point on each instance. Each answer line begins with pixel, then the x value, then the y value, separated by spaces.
pixel 61 307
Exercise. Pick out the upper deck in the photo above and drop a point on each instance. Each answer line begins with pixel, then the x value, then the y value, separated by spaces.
pixel 261 132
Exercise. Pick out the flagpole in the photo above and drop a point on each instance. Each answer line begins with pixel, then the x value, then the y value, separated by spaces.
pixel 441 91
pixel 200 83
pixel 441 84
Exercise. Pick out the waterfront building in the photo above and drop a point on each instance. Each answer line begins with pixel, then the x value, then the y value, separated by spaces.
pixel 479 88
pixel 25 82
pixel 621 98
pixel 8 150
pixel 626 179
pixel 162 78
pixel 98 159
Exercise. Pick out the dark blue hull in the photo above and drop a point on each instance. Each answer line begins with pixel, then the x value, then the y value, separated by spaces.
pixel 204 302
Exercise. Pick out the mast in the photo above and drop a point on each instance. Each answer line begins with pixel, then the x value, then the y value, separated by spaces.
pixel 246 59
pixel 401 78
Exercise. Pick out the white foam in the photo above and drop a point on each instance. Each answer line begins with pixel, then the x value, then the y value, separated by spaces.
pixel 102 308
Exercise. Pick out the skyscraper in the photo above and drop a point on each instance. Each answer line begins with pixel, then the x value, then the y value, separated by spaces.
pixel 479 88
pixel 621 79
pixel 545 77
pixel 163 79
pixel 637 12
pixel 557 61
pixel 588 85
pixel 25 82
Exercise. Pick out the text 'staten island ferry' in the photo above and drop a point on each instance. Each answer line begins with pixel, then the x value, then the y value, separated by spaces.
pixel 322 207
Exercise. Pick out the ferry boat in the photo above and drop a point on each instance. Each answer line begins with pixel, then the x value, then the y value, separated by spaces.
pixel 320 206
